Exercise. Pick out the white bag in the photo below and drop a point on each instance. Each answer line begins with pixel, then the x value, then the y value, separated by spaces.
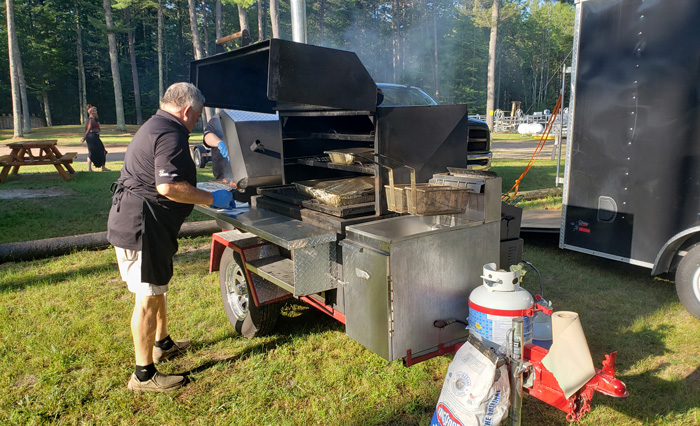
pixel 475 392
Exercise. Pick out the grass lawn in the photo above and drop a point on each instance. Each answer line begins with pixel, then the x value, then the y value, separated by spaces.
pixel 66 352
pixel 82 207
pixel 70 134
pixel 509 137
pixel 85 199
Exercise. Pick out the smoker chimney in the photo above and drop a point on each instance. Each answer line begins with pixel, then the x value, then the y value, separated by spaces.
pixel 298 20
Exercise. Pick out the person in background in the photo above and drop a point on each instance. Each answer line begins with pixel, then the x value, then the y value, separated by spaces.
pixel 214 140
pixel 152 197
pixel 97 154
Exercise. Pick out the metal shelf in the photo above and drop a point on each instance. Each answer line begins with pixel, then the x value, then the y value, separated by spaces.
pixel 324 161
pixel 353 137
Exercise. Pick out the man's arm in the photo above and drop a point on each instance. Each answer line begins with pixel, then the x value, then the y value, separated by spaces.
pixel 183 192
pixel 212 140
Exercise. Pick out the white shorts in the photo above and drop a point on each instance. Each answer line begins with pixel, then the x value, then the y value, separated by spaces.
pixel 130 268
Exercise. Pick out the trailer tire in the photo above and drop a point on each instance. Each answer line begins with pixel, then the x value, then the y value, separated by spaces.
pixel 688 281
pixel 248 320
pixel 199 160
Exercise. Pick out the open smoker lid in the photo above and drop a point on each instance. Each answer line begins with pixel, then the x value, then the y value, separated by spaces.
pixel 280 75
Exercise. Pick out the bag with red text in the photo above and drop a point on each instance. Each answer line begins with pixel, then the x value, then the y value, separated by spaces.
pixel 476 391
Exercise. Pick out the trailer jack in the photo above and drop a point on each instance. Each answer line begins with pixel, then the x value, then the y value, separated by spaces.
pixel 541 384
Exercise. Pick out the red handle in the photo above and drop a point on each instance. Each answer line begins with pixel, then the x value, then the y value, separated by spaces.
pixel 542 308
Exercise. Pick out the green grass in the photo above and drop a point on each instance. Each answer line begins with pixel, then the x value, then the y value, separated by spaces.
pixel 66 352
pixel 83 208
pixel 70 134
pixel 510 137
pixel 541 175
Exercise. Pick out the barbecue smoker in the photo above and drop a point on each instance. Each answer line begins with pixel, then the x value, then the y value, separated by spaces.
pixel 386 277
pixel 394 280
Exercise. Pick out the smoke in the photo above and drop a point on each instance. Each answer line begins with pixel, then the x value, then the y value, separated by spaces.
pixel 399 49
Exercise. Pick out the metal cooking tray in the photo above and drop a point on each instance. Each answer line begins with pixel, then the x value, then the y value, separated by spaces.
pixel 351 155
pixel 338 192
pixel 289 194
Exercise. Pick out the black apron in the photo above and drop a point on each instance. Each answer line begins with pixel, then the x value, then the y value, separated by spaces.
pixel 159 228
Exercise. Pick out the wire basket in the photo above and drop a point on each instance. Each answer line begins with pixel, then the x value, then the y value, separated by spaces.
pixel 424 199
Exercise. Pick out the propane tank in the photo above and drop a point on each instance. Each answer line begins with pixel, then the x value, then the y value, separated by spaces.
pixel 493 305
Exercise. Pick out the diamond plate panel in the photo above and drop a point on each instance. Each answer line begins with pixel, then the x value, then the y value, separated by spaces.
pixel 261 252
pixel 314 268
pixel 313 241
pixel 266 290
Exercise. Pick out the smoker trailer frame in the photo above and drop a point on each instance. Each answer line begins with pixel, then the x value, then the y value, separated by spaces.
pixel 387 277
pixel 632 176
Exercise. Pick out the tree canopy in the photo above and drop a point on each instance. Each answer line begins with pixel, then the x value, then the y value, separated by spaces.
pixel 438 45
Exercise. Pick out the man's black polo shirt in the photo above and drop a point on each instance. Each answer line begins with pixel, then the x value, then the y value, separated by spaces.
pixel 140 218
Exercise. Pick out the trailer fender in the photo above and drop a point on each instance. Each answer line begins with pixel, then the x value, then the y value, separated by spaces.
pixel 247 247
pixel 669 250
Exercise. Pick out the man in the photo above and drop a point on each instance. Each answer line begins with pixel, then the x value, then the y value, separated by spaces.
pixel 214 140
pixel 153 196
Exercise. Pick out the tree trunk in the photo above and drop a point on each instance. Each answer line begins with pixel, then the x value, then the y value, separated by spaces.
pixel 47 108
pixel 181 29
pixel 114 61
pixel 394 39
pixel 243 19
pixel 497 92
pixel 196 43
pixel 205 28
pixel 134 69
pixel 197 47
pixel 161 81
pixel 82 89
pixel 491 82
pixel 275 18
pixel 261 21
pixel 435 54
pixel 13 53
pixel 23 92
pixel 321 21
pixel 219 33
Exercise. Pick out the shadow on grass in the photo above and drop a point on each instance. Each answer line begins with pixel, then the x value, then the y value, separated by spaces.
pixel 617 304
pixel 9 284
pixel 252 349
pixel 306 321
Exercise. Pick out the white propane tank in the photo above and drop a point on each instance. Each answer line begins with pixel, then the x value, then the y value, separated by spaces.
pixel 493 305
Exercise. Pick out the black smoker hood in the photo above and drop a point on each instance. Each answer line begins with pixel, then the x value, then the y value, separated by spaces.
pixel 280 75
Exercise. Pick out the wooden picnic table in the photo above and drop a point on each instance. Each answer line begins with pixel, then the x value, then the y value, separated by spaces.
pixel 36 153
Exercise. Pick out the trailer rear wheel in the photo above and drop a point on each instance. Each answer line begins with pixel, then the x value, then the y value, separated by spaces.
pixel 199 160
pixel 249 320
pixel 688 281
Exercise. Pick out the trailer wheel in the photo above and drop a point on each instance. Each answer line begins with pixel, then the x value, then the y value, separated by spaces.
pixel 198 159
pixel 248 320
pixel 688 281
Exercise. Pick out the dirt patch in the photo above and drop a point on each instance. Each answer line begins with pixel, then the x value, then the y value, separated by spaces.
pixel 54 191
pixel 26 381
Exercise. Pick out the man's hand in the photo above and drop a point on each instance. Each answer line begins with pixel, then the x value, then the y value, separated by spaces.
pixel 223 199
pixel 223 149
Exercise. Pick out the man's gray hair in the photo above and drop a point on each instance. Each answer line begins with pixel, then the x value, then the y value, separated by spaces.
pixel 180 95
